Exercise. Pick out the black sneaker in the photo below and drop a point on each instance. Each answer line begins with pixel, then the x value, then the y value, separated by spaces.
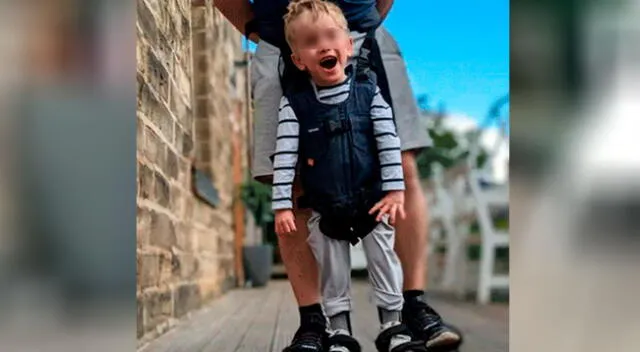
pixel 312 340
pixel 427 325
pixel 311 335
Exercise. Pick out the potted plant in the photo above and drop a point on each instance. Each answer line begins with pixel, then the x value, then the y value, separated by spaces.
pixel 257 255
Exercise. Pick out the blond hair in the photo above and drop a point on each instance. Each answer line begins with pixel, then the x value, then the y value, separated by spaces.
pixel 297 8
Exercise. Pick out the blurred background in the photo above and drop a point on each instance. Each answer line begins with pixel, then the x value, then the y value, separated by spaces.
pixel 575 174
pixel 68 175
pixel 67 185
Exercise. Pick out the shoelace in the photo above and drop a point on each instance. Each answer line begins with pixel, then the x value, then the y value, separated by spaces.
pixel 425 315
pixel 308 338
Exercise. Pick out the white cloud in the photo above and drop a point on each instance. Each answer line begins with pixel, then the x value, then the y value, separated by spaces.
pixel 459 123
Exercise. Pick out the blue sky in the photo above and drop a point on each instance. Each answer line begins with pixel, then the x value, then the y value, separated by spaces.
pixel 457 51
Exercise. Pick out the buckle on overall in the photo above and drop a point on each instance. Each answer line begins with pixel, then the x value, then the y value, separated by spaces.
pixel 335 127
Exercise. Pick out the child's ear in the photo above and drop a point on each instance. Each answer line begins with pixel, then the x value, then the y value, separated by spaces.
pixel 298 62
pixel 350 47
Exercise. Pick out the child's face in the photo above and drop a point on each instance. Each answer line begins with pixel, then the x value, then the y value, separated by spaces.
pixel 322 48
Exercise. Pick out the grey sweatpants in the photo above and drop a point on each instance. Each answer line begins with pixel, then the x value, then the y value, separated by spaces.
pixel 334 260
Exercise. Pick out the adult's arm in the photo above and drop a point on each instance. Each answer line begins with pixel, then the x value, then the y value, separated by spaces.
pixel 383 7
pixel 238 12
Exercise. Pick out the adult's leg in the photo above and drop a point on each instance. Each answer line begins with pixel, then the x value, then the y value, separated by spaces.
pixel 298 259
pixel 297 256
pixel 301 266
pixel 411 245
pixel 411 242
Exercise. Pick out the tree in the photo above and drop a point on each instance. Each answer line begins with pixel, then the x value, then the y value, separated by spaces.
pixel 447 149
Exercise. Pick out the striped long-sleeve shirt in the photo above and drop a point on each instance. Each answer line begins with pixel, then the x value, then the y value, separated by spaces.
pixel 286 155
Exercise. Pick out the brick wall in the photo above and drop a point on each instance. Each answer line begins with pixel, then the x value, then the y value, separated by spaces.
pixel 189 113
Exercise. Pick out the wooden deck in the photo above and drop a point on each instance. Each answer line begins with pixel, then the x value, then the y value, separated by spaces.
pixel 264 320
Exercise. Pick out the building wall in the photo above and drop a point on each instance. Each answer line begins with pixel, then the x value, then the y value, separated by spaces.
pixel 190 114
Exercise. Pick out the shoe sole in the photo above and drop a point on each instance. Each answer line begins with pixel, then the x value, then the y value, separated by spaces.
pixel 445 342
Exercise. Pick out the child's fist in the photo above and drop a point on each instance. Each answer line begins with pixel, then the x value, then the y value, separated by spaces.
pixel 285 222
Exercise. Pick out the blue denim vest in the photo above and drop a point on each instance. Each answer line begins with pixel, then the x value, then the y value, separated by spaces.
pixel 338 157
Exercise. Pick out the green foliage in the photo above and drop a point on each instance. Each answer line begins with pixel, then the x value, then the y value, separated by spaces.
pixel 256 196
pixel 447 149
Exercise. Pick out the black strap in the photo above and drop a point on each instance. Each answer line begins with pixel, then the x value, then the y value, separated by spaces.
pixel 377 66
pixel 363 60
pixel 370 58
pixel 346 341
pixel 333 127
pixel 384 340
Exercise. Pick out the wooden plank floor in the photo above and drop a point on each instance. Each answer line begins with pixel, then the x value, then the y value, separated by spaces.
pixel 264 320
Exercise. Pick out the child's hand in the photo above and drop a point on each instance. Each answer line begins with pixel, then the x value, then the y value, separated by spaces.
pixel 285 222
pixel 392 204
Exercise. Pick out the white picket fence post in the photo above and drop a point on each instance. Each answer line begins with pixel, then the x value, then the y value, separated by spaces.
pixel 491 238
pixel 458 198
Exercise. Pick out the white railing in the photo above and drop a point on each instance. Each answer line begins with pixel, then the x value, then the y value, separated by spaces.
pixel 457 199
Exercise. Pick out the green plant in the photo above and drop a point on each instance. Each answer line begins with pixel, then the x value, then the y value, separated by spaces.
pixel 256 196
pixel 446 150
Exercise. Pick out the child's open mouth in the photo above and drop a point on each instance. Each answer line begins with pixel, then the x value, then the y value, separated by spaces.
pixel 329 62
